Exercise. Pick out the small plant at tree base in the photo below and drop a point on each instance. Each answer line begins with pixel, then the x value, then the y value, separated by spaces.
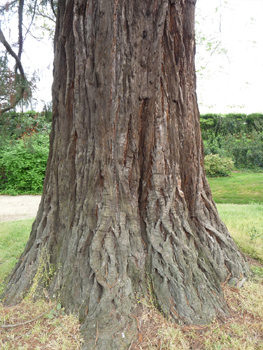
pixel 55 312
pixel 216 166
pixel 254 234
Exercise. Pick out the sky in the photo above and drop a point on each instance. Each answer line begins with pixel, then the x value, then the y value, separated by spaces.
pixel 230 82
pixel 39 57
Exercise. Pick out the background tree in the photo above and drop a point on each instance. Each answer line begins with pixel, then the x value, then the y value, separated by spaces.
pixel 126 205
pixel 32 16
pixel 14 89
pixel 19 79
pixel 7 82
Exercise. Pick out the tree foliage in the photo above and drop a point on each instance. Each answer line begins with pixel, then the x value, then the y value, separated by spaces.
pixel 14 89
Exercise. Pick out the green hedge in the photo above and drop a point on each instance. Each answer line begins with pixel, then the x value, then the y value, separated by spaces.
pixel 23 165
pixel 233 124
pixel 24 148
pixel 238 136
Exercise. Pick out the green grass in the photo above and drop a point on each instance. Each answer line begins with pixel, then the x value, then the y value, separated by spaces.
pixel 240 188
pixel 13 238
pixel 244 222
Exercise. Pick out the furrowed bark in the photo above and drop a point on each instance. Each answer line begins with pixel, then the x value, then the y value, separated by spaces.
pixel 126 202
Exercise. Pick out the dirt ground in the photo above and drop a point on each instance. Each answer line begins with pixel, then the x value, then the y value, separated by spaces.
pixel 13 208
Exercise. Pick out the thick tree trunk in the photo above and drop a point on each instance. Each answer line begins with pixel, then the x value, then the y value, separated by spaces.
pixel 125 199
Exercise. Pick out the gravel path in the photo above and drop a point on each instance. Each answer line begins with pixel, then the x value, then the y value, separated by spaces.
pixel 14 208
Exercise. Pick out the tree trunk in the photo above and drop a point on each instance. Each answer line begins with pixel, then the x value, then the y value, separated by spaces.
pixel 126 205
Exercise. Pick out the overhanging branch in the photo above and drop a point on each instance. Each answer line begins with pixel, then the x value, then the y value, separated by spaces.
pixel 32 19
pixel 18 65
pixel 53 8
pixel 20 28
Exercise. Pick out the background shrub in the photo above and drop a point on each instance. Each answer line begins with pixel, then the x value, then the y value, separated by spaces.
pixel 216 166
pixel 23 165
pixel 16 125
pixel 238 136
pixel 24 148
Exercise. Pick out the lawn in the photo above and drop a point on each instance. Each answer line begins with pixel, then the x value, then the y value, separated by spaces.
pixel 239 201
pixel 13 238
pixel 245 224
pixel 240 188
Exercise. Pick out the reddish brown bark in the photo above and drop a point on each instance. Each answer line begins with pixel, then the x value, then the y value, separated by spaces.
pixel 126 202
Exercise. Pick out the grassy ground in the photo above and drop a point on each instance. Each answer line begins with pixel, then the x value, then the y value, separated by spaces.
pixel 240 188
pixel 245 223
pixel 13 237
pixel 52 330
pixel 241 330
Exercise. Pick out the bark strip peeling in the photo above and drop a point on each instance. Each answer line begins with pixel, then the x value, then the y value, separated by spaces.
pixel 125 197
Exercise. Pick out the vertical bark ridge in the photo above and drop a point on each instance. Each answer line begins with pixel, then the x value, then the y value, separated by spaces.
pixel 125 197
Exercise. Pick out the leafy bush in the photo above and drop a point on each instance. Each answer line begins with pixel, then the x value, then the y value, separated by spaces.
pixel 24 144
pixel 217 145
pixel 16 125
pixel 246 150
pixel 230 124
pixel 23 164
pixel 215 166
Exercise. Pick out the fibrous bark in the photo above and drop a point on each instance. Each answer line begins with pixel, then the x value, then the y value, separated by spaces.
pixel 125 198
